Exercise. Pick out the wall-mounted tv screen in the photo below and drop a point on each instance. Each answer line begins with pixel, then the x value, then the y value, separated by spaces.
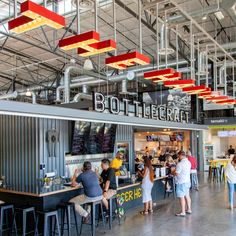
pixel 152 138
pixel 179 137
pixel 80 138
pixel 109 138
pixel 93 138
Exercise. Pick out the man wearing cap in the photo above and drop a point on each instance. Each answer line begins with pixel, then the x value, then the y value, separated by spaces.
pixel 183 183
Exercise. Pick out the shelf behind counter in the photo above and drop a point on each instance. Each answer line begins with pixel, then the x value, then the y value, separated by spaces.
pixel 50 197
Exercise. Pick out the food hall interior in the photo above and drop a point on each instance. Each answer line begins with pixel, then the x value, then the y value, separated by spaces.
pixel 160 141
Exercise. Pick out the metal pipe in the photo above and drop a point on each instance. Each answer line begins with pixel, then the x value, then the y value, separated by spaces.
pixel 140 26
pixel 9 95
pixel 78 17
pixel 96 15
pixel 67 79
pixel 85 89
pixel 81 96
pixel 33 96
pixel 45 3
pixel 157 35
pixel 114 22
pixel 177 48
pixel 15 8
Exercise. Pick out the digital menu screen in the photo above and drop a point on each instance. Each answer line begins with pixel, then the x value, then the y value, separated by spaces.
pixel 109 138
pixel 96 138
pixel 80 138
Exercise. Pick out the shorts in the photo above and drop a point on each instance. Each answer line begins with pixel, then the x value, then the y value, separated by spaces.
pixel 111 193
pixel 182 190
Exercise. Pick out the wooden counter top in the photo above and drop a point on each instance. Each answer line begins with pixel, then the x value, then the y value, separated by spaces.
pixel 65 189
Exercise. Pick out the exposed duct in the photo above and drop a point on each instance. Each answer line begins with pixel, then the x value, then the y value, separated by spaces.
pixel 67 79
pixel 124 87
pixel 202 64
pixel 16 94
pixel 223 75
pixel 82 96
pixel 164 41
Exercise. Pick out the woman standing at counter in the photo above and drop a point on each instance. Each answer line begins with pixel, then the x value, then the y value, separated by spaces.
pixel 147 183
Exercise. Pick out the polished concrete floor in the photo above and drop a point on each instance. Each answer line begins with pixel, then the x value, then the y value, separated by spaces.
pixel 210 216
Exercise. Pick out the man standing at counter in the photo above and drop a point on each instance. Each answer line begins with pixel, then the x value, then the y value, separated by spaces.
pixel 117 163
pixel 92 189
pixel 183 183
pixel 108 179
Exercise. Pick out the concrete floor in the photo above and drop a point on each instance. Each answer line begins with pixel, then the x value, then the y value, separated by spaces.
pixel 210 217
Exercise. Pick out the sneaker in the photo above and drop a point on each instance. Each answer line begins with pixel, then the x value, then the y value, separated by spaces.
pixel 86 219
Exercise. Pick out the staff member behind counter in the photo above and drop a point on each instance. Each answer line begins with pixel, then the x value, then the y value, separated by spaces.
pixel 117 163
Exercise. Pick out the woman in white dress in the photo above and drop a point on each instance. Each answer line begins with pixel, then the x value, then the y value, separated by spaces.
pixel 230 173
pixel 147 183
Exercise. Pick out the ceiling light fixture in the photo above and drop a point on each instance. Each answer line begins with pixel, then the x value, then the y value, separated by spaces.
pixel 219 15
pixel 160 75
pixel 204 17
pixel 97 48
pixel 195 89
pixel 175 76
pixel 79 41
pixel 34 16
pixel 179 84
pixel 217 98
pixel 227 102
pixel 125 60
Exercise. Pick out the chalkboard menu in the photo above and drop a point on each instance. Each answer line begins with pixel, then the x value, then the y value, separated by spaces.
pixel 96 138
pixel 80 142
pixel 109 138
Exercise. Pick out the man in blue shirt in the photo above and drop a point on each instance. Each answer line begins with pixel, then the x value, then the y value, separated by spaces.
pixel 92 189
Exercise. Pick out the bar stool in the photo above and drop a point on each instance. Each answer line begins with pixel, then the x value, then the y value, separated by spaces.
pixel 93 205
pixel 48 216
pixel 110 201
pixel 5 209
pixel 171 181
pixel 66 208
pixel 23 213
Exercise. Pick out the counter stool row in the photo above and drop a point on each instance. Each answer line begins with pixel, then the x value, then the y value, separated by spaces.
pixel 8 215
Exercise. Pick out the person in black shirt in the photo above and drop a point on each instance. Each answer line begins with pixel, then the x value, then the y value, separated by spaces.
pixel 231 151
pixel 108 180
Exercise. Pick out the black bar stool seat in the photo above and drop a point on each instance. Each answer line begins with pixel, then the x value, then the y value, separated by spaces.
pixel 24 212
pixel 5 209
pixel 66 209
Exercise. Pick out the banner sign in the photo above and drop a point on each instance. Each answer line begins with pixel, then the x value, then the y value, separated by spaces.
pixel 135 108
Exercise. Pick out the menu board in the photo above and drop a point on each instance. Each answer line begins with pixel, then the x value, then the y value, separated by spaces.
pixel 96 138
pixel 109 138
pixel 80 138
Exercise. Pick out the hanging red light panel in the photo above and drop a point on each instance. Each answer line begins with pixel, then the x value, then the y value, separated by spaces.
pixel 123 61
pixel 179 84
pixel 218 98
pixel 39 16
pixel 227 102
pixel 97 48
pixel 159 75
pixel 195 89
pixel 80 41
pixel 205 95
pixel 175 76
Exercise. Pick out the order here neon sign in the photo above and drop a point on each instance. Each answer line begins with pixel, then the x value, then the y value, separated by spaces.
pixel 135 108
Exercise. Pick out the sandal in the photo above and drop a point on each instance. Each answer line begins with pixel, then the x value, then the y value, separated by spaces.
pixel 180 214
pixel 144 212
pixel 150 211
pixel 189 212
